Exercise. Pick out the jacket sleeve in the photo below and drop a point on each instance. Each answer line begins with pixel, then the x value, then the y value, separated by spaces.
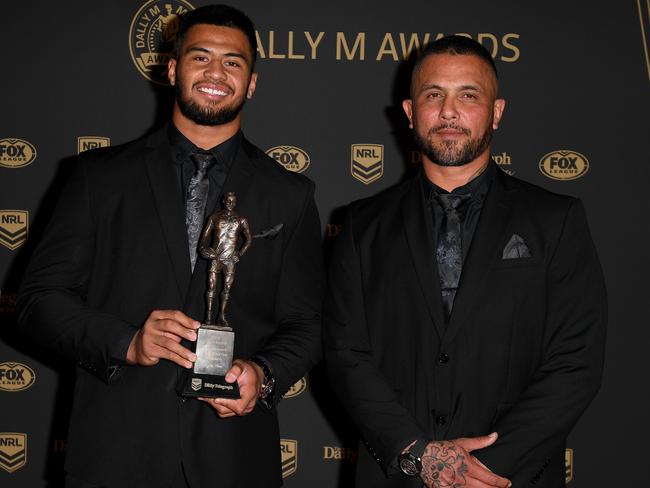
pixel 385 426
pixel 51 307
pixel 570 371
pixel 295 347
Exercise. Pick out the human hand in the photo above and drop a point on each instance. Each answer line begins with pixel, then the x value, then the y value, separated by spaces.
pixel 249 377
pixel 450 464
pixel 160 337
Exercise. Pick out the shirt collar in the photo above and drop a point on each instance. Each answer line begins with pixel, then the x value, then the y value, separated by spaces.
pixel 477 188
pixel 181 146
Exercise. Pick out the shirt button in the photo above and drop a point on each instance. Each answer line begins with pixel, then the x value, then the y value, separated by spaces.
pixel 443 358
pixel 441 420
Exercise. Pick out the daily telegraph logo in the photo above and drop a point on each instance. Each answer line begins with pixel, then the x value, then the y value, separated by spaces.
pixel 568 466
pixel 297 388
pixel 504 161
pixel 16 376
pixel 367 162
pixel 564 165
pixel 291 158
pixel 289 456
pixel 644 18
pixel 14 225
pixel 13 451
pixel 340 453
pixel 16 153
pixel 152 36
pixel 85 143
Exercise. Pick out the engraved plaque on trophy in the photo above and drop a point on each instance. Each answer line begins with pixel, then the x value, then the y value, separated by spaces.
pixel 216 339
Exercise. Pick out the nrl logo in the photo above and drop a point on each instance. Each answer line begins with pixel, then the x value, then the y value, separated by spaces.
pixel 367 162
pixel 14 225
pixel 297 388
pixel 86 143
pixel 13 451
pixel 568 466
pixel 152 37
pixel 289 456
pixel 197 384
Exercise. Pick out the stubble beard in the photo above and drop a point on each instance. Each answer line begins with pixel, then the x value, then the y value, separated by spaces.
pixel 207 115
pixel 453 153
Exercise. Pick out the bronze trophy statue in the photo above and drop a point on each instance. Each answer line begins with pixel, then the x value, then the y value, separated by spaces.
pixel 215 341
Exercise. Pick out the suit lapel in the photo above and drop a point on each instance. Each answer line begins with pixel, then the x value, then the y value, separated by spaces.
pixel 168 201
pixel 487 243
pixel 419 236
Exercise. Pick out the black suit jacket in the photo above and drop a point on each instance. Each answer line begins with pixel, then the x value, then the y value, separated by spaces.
pixel 523 351
pixel 116 249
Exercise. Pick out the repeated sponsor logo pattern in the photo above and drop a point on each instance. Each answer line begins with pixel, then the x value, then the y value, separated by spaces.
pixel 16 153
pixel 16 377
pixel 152 36
pixel 85 143
pixel 14 227
pixel 292 158
pixel 13 451
pixel 367 162
pixel 289 456
pixel 564 165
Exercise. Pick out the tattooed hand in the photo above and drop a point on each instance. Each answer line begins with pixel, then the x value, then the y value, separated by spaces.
pixel 449 464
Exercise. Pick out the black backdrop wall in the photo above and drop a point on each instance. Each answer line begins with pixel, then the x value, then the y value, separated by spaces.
pixel 80 74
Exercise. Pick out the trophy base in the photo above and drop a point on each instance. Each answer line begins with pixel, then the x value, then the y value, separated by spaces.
pixel 214 351
pixel 208 386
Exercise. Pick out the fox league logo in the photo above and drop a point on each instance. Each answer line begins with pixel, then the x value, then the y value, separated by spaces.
pixel 152 37
pixel 16 376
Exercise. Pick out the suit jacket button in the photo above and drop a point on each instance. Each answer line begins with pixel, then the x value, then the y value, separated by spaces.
pixel 441 420
pixel 443 358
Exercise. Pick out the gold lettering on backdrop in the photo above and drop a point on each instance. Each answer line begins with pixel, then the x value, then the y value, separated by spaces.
pixel 493 39
pixel 387 47
pixel 359 44
pixel 414 43
pixel 512 47
pixel 273 55
pixel 290 52
pixel 291 45
pixel 314 43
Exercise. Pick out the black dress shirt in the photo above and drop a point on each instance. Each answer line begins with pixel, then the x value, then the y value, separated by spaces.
pixel 224 153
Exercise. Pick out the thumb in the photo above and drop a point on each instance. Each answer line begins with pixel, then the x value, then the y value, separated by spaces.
pixel 474 443
pixel 234 372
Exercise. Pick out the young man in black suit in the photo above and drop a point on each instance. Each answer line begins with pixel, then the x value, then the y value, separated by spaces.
pixel 116 285
pixel 465 316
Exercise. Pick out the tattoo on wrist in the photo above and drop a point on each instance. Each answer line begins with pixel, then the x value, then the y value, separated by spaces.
pixel 444 465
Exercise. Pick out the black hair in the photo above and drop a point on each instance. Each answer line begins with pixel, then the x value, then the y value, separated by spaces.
pixel 455 44
pixel 221 15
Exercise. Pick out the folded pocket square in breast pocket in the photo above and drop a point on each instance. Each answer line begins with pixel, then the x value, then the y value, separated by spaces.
pixel 516 248
pixel 269 233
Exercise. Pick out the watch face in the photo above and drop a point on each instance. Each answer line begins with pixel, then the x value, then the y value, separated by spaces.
pixel 409 465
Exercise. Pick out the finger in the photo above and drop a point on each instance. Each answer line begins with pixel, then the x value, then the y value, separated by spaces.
pixel 480 472
pixel 474 443
pixel 176 316
pixel 222 411
pixel 240 407
pixel 169 328
pixel 237 370
pixel 173 352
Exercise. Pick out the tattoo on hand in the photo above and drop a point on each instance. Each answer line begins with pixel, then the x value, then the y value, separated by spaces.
pixel 444 465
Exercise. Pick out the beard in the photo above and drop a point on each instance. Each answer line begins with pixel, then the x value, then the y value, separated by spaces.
pixel 453 153
pixel 207 115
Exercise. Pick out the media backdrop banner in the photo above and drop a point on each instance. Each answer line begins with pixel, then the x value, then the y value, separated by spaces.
pixel 78 75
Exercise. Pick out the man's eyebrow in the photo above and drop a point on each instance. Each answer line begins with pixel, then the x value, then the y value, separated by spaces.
pixel 206 50
pixel 435 86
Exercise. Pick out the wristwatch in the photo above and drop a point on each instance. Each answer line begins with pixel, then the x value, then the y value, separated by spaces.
pixel 410 462
pixel 268 383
